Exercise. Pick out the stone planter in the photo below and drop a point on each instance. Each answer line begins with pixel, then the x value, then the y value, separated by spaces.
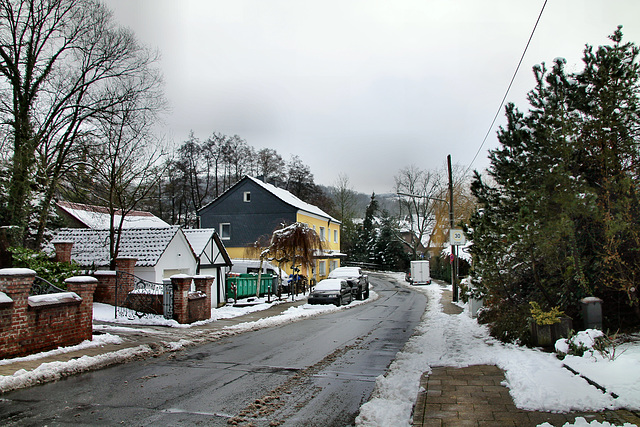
pixel 547 335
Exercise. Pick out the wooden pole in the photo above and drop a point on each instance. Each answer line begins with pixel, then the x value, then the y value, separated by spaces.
pixel 454 273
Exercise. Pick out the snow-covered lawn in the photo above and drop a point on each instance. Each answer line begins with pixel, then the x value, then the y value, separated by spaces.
pixel 536 380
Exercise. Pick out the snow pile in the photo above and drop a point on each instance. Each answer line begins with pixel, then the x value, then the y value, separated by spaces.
pixel 581 422
pixel 537 380
pixel 583 339
pixel 53 371
pixel 97 341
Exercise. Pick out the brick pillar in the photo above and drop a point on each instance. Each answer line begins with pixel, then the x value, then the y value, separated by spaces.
pixel 16 284
pixel 181 285
pixel 126 264
pixel 63 250
pixel 125 282
pixel 84 286
pixel 106 288
pixel 203 284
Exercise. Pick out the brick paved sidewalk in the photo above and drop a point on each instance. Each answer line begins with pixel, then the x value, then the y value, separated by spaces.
pixel 475 396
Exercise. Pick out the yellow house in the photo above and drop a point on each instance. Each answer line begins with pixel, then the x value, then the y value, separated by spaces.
pixel 253 209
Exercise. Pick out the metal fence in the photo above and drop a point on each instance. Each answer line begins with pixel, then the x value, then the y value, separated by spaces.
pixel 136 297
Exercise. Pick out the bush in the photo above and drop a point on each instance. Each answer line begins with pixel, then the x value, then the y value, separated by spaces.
pixel 545 317
pixel 510 326
pixel 44 266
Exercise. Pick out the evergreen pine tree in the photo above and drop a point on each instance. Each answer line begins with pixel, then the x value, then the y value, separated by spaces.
pixel 560 218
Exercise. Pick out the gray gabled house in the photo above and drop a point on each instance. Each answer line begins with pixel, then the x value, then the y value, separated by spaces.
pixel 252 208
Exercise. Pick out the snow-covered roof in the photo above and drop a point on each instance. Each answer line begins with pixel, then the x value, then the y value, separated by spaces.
pixel 97 217
pixel 207 246
pixel 199 238
pixel 292 200
pixel 91 247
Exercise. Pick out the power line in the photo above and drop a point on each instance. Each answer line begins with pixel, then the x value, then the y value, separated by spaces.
pixel 508 88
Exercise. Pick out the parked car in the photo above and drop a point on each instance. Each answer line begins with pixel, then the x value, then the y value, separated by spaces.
pixel 331 291
pixel 359 282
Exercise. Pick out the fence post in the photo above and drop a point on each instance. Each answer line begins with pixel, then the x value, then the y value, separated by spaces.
pixel 84 286
pixel 16 283
pixel 203 284
pixel 181 285
pixel 124 282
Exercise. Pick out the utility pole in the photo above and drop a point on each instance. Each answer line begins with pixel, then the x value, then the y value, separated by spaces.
pixel 454 272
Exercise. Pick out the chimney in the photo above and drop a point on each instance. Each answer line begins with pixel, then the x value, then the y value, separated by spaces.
pixel 63 250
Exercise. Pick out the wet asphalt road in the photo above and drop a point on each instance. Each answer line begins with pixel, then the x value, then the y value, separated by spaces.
pixel 314 372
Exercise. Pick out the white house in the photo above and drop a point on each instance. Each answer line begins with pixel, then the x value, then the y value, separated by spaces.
pixel 160 252
pixel 212 259
pixel 79 215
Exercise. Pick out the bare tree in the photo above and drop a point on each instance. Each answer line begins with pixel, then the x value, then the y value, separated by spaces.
pixel 464 204
pixel 417 190
pixel 271 165
pixel 64 64
pixel 234 152
pixel 213 148
pixel 344 198
pixel 128 162
pixel 300 181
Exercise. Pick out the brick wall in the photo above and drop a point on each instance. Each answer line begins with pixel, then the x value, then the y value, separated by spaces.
pixel 33 324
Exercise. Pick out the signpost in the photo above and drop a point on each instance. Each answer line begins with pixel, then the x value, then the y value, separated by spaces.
pixel 456 237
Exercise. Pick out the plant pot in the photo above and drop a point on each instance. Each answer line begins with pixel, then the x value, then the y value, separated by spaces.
pixel 547 335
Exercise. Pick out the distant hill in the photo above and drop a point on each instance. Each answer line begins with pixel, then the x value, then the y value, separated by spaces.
pixel 386 201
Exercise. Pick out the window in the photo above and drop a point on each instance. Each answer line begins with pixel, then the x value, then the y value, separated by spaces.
pixel 225 231
pixel 335 236
pixel 246 196
pixel 333 265
pixel 322 234
pixel 322 268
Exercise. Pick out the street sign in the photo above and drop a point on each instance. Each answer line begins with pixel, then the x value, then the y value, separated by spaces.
pixel 456 237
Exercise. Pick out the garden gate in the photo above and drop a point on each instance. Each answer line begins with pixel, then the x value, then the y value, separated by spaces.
pixel 136 297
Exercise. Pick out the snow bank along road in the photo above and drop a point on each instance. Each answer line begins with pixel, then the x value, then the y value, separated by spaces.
pixel 317 371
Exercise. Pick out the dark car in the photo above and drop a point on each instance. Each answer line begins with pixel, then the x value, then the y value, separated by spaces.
pixel 359 282
pixel 331 291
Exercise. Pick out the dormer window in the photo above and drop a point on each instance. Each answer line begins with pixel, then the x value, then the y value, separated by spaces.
pixel 246 196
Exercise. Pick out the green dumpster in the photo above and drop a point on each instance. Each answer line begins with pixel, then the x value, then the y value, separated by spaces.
pixel 244 285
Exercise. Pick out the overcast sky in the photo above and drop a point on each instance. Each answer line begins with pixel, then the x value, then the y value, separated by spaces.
pixel 362 88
